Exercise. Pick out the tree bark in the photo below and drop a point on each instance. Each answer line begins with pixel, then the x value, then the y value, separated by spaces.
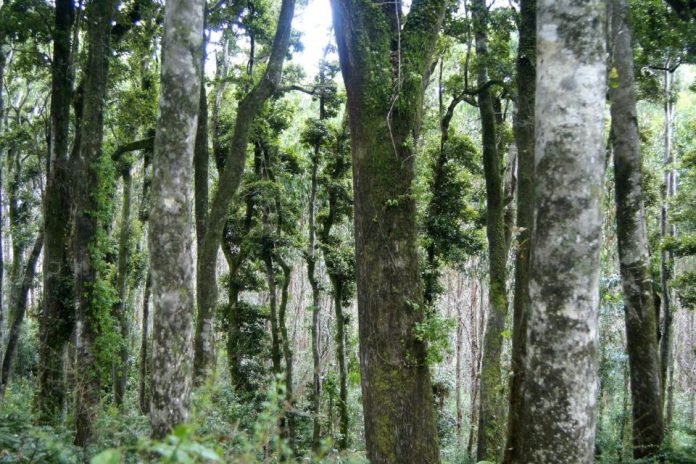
pixel 561 381
pixel 634 260
pixel 90 312
pixel 144 390
pixel 385 69
pixel 120 372
pixel 491 415
pixel 229 181
pixel 524 138
pixel 21 302
pixel 57 320
pixel 170 240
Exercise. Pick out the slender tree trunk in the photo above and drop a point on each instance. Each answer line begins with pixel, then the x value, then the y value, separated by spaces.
pixel 384 104
pixel 3 59
pixel 171 259
pixel 458 376
pixel 492 414
pixel 641 325
pixel 524 138
pixel 276 356
pixel 57 320
pixel 200 164
pixel 476 316
pixel 90 310
pixel 121 364
pixel 230 178
pixel 666 261
pixel 342 364
pixel 287 351
pixel 144 390
pixel 561 380
pixel 20 300
pixel 311 266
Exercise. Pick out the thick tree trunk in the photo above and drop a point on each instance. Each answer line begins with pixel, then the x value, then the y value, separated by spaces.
pixel 384 104
pixel 524 138
pixel 641 325
pixel 561 381
pixel 120 371
pixel 22 291
pixel 170 240
pixel 230 178
pixel 492 410
pixel 57 320
pixel 90 310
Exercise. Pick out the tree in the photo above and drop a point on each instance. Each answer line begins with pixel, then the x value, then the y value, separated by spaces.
pixel 524 139
pixel 386 60
pixel 230 178
pixel 562 343
pixel 170 216
pixel 641 324
pixel 56 323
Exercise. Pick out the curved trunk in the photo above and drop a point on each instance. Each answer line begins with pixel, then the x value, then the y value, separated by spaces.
pixel 634 261
pixel 21 302
pixel 492 413
pixel 229 181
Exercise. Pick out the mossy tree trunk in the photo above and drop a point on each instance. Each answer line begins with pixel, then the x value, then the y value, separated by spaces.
pixel 641 325
pixel 561 381
pixel 89 208
pixel 230 178
pixel 492 411
pixel 524 139
pixel 385 68
pixel 171 259
pixel 57 319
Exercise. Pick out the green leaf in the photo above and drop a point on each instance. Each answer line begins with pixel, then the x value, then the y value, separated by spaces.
pixel 110 456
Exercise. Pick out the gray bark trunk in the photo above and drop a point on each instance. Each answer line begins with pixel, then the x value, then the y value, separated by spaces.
pixel 641 326
pixel 561 381
pixel 170 235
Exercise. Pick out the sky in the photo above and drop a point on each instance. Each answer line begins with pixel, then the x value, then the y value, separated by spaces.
pixel 314 21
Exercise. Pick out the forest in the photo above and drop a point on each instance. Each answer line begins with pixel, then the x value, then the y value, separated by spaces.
pixel 348 231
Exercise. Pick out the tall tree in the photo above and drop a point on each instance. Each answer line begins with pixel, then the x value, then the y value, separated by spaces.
pixel 230 178
pixel 88 218
pixel 562 335
pixel 56 323
pixel 524 139
pixel 170 232
pixel 491 415
pixel 641 324
pixel 386 60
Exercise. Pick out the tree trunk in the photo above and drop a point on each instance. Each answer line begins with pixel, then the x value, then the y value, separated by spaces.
pixel 342 365
pixel 171 259
pixel 524 138
pixel 57 320
pixel 22 290
pixel 121 364
pixel 492 413
pixel 311 267
pixel 641 325
pixel 144 390
pixel 287 352
pixel 3 59
pixel 385 68
pixel 91 309
pixel 200 166
pixel 562 343
pixel 229 181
